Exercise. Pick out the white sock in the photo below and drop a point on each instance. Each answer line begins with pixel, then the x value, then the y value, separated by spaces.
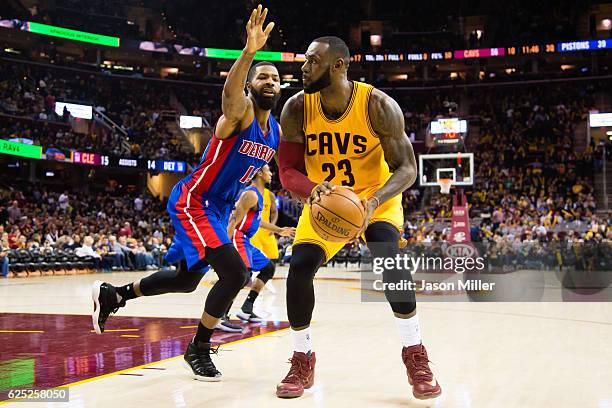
pixel 302 340
pixel 409 332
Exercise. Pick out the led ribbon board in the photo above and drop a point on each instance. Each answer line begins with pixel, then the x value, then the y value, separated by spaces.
pixel 20 149
pixel 260 55
pixel 75 35
pixel 586 45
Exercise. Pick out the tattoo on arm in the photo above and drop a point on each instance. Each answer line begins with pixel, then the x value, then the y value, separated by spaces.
pixel 292 119
pixel 387 121
pixel 291 157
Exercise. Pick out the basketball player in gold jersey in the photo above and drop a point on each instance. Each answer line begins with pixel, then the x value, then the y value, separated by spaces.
pixel 341 132
pixel 264 239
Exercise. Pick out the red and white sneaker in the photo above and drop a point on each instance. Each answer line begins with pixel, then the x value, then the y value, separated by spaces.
pixel 300 376
pixel 424 384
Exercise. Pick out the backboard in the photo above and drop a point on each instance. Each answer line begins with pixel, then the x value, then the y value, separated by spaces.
pixel 459 167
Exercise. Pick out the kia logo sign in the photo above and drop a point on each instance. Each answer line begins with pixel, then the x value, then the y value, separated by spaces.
pixel 460 251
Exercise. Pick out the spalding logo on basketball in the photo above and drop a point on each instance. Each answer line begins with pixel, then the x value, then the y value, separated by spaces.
pixel 339 216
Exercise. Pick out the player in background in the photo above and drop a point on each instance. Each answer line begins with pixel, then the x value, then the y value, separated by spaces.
pixel 265 240
pixel 244 223
pixel 246 138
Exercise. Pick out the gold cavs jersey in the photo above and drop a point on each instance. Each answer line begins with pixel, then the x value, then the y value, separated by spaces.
pixel 267 203
pixel 264 239
pixel 345 152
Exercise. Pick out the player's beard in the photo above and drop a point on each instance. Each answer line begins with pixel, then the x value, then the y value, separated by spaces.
pixel 323 82
pixel 265 102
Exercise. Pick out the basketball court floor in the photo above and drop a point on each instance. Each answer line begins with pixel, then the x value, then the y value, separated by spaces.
pixel 549 354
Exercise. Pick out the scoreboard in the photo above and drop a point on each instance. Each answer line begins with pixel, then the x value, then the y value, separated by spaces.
pixel 448 131
pixel 95 159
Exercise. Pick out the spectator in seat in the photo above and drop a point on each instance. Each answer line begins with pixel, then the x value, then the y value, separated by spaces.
pixel 87 251
pixel 126 231
pixel 14 212
pixel 128 250
pixel 118 253
pixel 63 201
pixel 4 260
pixel 144 259
pixel 22 243
pixel 155 249
pixel 138 203
pixel 75 242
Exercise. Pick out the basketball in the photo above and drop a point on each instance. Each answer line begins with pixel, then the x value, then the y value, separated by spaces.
pixel 339 216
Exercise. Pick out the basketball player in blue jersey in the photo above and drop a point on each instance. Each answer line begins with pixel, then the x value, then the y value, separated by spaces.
pixel 244 223
pixel 246 138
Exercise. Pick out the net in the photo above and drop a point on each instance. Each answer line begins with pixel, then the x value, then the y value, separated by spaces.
pixel 445 185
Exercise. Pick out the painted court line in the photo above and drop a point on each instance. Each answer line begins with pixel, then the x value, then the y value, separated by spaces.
pixel 116 330
pixel 22 331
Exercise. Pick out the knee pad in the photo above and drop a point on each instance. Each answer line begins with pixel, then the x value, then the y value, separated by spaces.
pixel 267 272
pixel 229 266
pixel 382 239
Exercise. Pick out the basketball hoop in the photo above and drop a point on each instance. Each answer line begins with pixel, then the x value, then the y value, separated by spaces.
pixel 445 185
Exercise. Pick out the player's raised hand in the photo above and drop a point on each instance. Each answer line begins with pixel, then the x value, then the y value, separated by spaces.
pixel 256 34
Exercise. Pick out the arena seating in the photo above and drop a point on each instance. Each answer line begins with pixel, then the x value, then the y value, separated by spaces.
pixel 44 237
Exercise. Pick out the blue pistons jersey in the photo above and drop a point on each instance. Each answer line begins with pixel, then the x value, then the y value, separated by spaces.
pixel 251 221
pixel 201 203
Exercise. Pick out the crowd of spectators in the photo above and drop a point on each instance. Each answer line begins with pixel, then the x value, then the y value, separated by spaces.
pixel 29 93
pixel 124 232
pixel 50 135
pixel 532 182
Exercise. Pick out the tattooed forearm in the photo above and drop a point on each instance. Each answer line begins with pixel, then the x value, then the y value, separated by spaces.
pixel 388 123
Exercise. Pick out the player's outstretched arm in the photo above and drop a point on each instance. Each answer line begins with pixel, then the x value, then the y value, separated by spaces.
pixel 387 121
pixel 291 151
pixel 247 200
pixel 282 231
pixel 236 106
